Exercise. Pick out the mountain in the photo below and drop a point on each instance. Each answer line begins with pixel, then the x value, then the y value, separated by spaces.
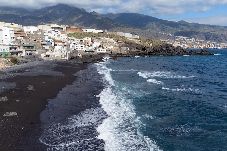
pixel 147 24
pixel 61 14
pixel 13 11
pixel 127 22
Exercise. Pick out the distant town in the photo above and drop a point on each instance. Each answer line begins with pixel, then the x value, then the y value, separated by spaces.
pixel 187 42
pixel 63 42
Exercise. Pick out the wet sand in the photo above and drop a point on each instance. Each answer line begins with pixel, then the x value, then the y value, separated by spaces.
pixel 34 87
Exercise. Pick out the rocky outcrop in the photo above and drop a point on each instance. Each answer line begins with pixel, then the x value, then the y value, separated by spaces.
pixel 162 50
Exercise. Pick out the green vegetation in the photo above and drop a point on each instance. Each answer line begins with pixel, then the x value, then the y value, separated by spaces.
pixel 142 41
pixel 81 35
pixel 5 54
pixel 99 35
pixel 13 60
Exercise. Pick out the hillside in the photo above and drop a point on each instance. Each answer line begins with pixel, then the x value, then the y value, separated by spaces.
pixel 127 22
pixel 144 24
pixel 61 14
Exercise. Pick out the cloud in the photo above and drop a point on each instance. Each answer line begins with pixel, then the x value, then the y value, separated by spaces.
pixel 152 6
pixel 149 7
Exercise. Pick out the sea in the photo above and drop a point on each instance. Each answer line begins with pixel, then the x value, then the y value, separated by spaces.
pixel 158 103
pixel 165 103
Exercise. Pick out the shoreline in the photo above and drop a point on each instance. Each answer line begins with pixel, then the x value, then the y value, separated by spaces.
pixel 70 120
pixel 20 131
pixel 28 105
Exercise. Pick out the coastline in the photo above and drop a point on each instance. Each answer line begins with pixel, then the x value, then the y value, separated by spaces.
pixel 47 93
pixel 70 120
pixel 35 85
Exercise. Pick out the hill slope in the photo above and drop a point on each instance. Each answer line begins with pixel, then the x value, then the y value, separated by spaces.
pixel 181 28
pixel 61 14
pixel 128 22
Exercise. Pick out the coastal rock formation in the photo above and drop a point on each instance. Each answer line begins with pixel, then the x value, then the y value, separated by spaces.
pixel 162 50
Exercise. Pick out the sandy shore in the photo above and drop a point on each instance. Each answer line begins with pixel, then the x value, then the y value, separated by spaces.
pixel 25 91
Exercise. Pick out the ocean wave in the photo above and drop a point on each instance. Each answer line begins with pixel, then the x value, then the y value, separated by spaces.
pixel 74 134
pixel 147 116
pixel 129 70
pixel 182 90
pixel 103 70
pixel 217 54
pixel 162 74
pixel 182 130
pixel 154 81
pixel 120 130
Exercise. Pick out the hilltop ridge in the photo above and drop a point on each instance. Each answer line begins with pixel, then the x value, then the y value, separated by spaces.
pixel 140 24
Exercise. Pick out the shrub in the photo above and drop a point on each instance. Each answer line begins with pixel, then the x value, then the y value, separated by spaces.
pixel 14 60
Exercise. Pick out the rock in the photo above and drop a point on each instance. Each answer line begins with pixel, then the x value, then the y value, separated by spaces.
pixel 10 114
pixel 31 88
pixel 200 52
pixel 3 99
pixel 160 50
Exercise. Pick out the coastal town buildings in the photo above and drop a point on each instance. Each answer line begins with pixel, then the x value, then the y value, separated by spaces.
pixel 52 41
pixel 7 36
pixel 187 42
pixel 128 35
pixel 93 31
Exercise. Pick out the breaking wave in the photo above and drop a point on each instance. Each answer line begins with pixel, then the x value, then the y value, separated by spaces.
pixel 217 54
pixel 120 131
pixel 154 81
pixel 182 90
pixel 162 74
pixel 75 134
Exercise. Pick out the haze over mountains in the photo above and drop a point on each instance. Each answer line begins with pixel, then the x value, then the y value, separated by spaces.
pixel 127 22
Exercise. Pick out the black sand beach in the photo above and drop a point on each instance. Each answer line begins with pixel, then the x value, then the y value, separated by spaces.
pixel 24 109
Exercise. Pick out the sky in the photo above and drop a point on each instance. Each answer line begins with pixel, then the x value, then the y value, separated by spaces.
pixel 199 11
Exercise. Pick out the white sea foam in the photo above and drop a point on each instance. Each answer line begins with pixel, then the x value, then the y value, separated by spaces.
pixel 155 81
pixel 120 130
pixel 217 54
pixel 73 134
pixel 181 89
pixel 147 116
pixel 162 74
pixel 103 70
pixel 129 70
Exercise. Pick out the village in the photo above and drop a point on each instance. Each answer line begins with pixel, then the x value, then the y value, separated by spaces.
pixel 193 43
pixel 52 41
pixel 21 44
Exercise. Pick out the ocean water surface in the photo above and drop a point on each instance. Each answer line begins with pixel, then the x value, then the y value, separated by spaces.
pixel 165 103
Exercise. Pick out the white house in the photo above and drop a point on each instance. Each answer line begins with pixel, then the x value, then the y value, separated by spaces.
pixel 61 52
pixel 56 35
pixel 4 48
pixel 30 29
pixel 96 44
pixel 44 27
pixel 80 47
pixel 101 50
pixel 93 31
pixel 7 36
pixel 128 35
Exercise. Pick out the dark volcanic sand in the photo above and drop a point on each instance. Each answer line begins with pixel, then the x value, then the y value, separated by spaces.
pixel 29 99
